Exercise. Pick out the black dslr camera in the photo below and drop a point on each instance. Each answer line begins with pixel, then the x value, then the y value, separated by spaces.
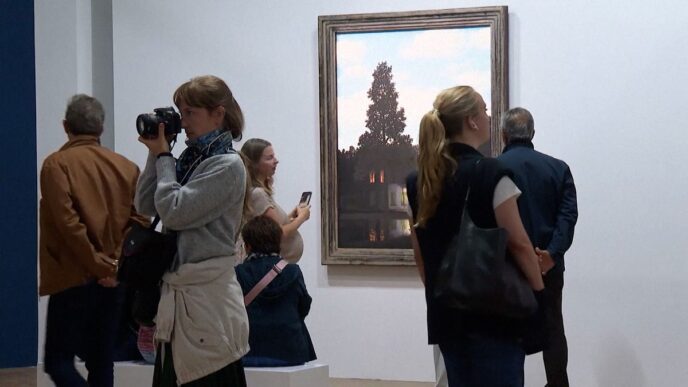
pixel 147 123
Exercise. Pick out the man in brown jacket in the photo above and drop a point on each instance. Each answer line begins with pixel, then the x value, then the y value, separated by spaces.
pixel 87 194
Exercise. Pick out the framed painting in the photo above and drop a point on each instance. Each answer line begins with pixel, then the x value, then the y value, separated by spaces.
pixel 379 73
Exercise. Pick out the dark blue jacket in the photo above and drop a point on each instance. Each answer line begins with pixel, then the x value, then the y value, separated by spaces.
pixel 548 203
pixel 276 316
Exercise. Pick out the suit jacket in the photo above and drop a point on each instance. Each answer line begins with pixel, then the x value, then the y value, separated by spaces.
pixel 547 205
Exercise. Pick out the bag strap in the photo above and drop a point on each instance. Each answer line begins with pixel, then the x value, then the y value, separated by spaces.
pixel 265 281
pixel 470 178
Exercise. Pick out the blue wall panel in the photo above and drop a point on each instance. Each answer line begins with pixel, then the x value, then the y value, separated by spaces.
pixel 18 295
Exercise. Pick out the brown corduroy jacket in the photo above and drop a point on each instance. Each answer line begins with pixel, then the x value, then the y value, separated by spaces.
pixel 87 194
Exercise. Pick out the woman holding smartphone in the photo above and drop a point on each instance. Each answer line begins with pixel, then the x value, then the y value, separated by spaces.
pixel 261 162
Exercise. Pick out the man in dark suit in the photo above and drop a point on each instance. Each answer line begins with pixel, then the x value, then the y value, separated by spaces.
pixel 549 213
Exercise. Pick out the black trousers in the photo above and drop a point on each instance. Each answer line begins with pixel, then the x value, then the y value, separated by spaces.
pixel 82 321
pixel 556 356
pixel 164 374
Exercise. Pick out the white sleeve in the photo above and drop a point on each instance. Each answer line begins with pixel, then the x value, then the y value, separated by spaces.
pixel 505 190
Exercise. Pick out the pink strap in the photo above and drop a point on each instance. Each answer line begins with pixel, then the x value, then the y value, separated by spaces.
pixel 265 281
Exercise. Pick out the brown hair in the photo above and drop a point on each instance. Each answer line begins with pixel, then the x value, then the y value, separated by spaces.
pixel 252 150
pixel 210 92
pixel 262 235
pixel 451 108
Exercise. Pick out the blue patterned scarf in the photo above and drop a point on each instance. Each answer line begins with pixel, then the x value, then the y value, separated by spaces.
pixel 217 142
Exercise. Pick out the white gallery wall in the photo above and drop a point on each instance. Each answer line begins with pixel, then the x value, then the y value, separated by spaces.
pixel 605 81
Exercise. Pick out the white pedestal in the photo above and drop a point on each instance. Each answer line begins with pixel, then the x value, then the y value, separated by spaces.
pixel 127 374
pixel 308 375
pixel 130 374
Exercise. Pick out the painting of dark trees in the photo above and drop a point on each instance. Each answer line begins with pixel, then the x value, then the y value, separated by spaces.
pixel 372 195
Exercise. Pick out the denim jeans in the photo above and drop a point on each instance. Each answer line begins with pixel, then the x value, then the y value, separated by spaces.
pixel 483 361
pixel 82 321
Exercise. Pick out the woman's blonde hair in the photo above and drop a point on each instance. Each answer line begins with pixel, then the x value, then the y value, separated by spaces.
pixel 252 150
pixel 451 108
pixel 210 92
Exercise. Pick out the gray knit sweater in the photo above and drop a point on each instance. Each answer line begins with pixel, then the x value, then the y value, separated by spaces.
pixel 206 211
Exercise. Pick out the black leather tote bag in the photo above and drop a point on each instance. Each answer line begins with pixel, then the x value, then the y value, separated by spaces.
pixel 475 274
pixel 146 255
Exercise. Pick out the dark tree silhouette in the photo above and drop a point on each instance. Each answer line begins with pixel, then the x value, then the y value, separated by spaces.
pixel 384 146
pixel 386 121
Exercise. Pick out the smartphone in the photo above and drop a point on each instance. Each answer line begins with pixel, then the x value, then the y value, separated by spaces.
pixel 306 197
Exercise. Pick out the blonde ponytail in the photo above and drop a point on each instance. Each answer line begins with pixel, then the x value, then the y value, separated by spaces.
pixel 435 163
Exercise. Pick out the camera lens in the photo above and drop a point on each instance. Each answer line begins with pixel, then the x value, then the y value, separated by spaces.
pixel 147 125
pixel 140 125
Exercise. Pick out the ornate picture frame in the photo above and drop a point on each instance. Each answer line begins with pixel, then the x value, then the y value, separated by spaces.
pixel 368 131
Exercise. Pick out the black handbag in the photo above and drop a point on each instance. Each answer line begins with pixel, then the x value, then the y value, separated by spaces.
pixel 146 255
pixel 475 274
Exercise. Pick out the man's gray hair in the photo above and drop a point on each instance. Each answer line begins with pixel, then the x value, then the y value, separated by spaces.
pixel 518 124
pixel 84 115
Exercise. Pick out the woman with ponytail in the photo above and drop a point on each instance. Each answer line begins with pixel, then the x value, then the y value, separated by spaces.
pixel 478 349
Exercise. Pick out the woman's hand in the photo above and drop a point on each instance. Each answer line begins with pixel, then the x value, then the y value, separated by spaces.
pixel 159 144
pixel 303 212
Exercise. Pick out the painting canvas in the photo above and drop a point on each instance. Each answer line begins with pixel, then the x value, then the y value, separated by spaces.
pixel 382 78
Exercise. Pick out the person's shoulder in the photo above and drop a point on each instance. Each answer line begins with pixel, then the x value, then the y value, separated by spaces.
pixel 53 160
pixel 231 163
pixel 491 164
pixel 490 170
pixel 230 158
pixel 259 192
pixel 293 267
pixel 552 160
pixel 121 159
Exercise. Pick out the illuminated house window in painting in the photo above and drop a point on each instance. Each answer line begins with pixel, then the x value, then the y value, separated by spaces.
pixel 404 197
pixel 382 176
pixel 406 227
pixel 372 177
pixel 393 199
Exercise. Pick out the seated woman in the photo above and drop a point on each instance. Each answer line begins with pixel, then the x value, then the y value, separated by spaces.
pixel 277 331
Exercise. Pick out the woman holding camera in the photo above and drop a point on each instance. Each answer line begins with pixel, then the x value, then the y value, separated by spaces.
pixel 262 163
pixel 478 349
pixel 201 322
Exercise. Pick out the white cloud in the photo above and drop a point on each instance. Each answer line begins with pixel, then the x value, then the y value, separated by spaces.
pixel 416 102
pixel 446 43
pixel 350 52
pixel 350 56
pixel 356 71
pixel 351 116
pixel 480 80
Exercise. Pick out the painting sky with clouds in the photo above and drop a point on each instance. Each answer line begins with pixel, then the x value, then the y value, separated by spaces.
pixel 423 64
